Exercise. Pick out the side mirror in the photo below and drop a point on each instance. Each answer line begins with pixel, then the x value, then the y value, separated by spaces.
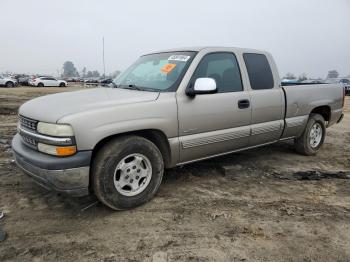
pixel 203 85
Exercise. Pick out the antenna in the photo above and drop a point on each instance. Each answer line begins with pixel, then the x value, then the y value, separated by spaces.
pixel 103 57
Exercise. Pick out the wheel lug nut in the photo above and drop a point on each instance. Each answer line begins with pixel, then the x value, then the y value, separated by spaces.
pixel 134 167
pixel 138 170
pixel 128 170
pixel 131 180
pixel 126 177
pixel 137 177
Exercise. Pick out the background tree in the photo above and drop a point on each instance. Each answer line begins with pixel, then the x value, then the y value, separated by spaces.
pixel 332 74
pixel 289 76
pixel 302 77
pixel 115 74
pixel 69 69
pixel 84 71
pixel 89 74
pixel 95 73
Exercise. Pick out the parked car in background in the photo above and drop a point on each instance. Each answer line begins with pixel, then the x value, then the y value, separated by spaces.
pixel 312 81
pixel 73 79
pixel 92 80
pixel 47 81
pixel 289 81
pixel 343 81
pixel 346 83
pixel 8 81
pixel 292 82
pixel 106 82
pixel 23 79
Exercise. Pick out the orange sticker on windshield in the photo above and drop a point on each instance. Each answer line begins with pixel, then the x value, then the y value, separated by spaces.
pixel 168 68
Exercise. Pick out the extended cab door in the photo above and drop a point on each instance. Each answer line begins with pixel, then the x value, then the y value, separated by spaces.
pixel 212 124
pixel 267 99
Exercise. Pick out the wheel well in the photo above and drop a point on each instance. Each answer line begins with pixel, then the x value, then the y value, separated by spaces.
pixel 155 136
pixel 324 111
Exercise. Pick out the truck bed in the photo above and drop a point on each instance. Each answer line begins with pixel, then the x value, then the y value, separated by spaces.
pixel 301 100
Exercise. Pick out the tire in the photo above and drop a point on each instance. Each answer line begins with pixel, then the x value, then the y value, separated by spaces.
pixel 62 84
pixel 40 85
pixel 307 145
pixel 110 167
pixel 9 84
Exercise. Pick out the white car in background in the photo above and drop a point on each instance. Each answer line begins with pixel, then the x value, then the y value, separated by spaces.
pixel 47 81
pixel 7 81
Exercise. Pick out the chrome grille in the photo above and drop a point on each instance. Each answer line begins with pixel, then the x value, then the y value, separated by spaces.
pixel 28 123
pixel 29 141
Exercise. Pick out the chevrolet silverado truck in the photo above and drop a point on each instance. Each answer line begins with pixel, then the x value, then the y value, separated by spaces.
pixel 167 109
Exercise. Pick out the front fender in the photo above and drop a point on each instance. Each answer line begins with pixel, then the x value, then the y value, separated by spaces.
pixel 90 127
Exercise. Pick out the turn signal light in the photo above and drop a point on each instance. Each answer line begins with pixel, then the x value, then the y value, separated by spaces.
pixel 66 150
pixel 57 150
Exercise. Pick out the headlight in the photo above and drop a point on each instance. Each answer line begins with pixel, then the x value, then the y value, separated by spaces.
pixel 55 129
pixel 57 150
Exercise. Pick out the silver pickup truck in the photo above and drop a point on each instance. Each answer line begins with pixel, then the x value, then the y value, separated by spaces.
pixel 169 108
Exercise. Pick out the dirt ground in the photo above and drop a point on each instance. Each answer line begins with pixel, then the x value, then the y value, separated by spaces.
pixel 266 204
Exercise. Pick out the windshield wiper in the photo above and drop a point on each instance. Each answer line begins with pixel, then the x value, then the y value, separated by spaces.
pixel 131 86
pixel 136 87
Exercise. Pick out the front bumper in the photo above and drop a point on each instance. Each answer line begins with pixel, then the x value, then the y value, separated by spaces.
pixel 68 175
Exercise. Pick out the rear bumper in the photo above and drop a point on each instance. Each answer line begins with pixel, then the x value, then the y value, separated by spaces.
pixel 336 117
pixel 69 175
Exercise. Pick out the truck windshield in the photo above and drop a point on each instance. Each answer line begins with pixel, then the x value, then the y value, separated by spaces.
pixel 156 72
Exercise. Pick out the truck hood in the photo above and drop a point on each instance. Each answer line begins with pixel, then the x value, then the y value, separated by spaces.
pixel 51 108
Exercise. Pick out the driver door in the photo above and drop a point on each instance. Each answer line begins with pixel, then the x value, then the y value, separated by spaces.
pixel 212 124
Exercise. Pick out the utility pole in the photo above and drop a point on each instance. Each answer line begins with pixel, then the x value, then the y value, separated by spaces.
pixel 103 57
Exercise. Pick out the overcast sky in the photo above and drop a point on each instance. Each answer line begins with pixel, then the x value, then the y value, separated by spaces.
pixel 37 36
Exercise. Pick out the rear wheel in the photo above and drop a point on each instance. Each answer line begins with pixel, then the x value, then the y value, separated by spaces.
pixel 40 85
pixel 9 84
pixel 310 142
pixel 127 172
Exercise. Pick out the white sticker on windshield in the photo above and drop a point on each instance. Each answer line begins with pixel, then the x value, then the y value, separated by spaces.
pixel 182 58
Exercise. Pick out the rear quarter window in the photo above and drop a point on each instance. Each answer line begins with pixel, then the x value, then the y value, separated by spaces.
pixel 259 71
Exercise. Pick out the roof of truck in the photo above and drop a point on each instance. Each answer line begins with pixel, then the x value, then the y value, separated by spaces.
pixel 200 48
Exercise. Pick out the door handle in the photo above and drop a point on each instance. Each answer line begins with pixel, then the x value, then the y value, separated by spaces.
pixel 244 103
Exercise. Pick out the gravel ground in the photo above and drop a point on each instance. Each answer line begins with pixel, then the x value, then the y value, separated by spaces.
pixel 265 204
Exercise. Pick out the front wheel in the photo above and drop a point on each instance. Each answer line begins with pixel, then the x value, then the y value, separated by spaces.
pixel 310 142
pixel 127 172
pixel 62 85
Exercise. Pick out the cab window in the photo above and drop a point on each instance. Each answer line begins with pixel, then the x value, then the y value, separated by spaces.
pixel 223 68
